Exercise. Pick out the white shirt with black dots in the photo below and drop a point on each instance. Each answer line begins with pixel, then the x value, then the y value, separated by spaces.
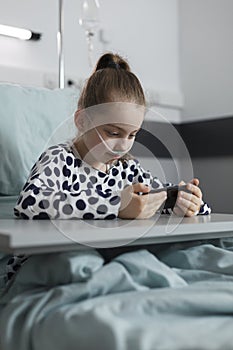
pixel 62 186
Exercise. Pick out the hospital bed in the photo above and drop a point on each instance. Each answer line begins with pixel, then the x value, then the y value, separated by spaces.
pixel 159 284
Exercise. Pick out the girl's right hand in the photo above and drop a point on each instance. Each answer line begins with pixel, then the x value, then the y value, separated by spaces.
pixel 141 207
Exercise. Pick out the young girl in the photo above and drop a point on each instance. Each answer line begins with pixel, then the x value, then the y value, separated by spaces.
pixel 92 176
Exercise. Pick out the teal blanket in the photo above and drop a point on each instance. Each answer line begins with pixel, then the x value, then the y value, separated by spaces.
pixel 176 298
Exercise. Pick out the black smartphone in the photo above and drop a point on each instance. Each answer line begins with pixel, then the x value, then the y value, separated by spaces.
pixel 172 192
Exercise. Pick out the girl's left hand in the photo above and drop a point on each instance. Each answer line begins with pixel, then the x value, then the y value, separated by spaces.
pixel 188 204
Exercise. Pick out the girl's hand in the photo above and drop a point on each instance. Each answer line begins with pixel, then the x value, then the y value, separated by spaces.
pixel 138 206
pixel 189 204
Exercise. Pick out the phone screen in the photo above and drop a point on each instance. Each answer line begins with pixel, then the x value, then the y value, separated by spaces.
pixel 172 193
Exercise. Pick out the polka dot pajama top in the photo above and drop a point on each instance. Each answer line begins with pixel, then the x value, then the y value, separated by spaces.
pixel 62 186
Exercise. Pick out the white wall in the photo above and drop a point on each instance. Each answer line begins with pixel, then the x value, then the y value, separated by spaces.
pixel 163 40
pixel 146 33
pixel 206 56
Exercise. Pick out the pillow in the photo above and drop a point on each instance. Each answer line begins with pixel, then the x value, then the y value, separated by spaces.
pixel 28 118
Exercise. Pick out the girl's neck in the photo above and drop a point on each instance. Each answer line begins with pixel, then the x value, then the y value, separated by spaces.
pixel 86 156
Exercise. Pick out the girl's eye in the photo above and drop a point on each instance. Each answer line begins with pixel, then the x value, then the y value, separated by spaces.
pixel 112 133
pixel 117 134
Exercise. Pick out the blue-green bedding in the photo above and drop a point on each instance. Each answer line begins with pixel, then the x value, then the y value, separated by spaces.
pixel 180 297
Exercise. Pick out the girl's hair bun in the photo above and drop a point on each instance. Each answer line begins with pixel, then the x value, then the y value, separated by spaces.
pixel 111 81
pixel 110 60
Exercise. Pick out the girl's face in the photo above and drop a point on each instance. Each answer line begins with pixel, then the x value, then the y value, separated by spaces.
pixel 116 139
pixel 106 141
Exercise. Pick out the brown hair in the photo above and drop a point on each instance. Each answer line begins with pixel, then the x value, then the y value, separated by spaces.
pixel 111 81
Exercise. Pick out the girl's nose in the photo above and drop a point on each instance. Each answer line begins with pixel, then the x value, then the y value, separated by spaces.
pixel 122 144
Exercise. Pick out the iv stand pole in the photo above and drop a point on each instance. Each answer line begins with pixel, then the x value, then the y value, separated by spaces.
pixel 61 72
